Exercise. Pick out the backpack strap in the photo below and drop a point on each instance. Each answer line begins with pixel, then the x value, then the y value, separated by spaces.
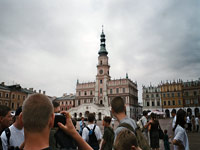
pixel 94 128
pixel 126 125
pixel 88 128
pixel 7 132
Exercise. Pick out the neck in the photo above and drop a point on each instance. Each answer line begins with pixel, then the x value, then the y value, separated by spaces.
pixel 90 122
pixel 17 125
pixel 35 141
pixel 120 116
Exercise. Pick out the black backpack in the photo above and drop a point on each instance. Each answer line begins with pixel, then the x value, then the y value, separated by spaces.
pixel 7 132
pixel 93 142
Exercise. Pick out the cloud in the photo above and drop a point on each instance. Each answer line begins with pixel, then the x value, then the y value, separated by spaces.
pixel 48 45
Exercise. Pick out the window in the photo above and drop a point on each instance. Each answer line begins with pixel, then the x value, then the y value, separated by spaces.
pixel 117 90
pixel 187 101
pixel 101 90
pixel 7 96
pixel 172 94
pixel 152 103
pixel 17 105
pixel 169 103
pixel 164 103
pixel 70 102
pixel 158 103
pixel 101 81
pixel 195 93
pixel 85 93
pixel 101 62
pixel 0 94
pixel 123 90
pixel 110 91
pixel 13 96
pixel 147 103
pixel 90 92
pixel 179 102
pixel 24 97
pixel 152 95
pixel 147 96
pixel 196 101
pixel 85 100
pixel 157 95
pixel 186 94
pixel 173 102
pixel 18 97
pixel 163 95
pixel 79 102
pixel 178 94
pixel 79 93
pixel 12 105
pixel 168 95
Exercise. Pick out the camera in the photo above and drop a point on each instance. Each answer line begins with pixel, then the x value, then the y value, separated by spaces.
pixel 59 118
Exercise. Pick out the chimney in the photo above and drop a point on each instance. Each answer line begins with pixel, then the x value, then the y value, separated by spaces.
pixel 3 83
pixel 44 92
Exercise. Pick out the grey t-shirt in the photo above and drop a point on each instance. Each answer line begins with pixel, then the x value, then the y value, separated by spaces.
pixel 128 121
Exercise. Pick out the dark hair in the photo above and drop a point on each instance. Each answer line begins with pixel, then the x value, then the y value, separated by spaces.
pixel 91 117
pixel 117 105
pixel 55 104
pixel 107 119
pixel 145 113
pixel 173 111
pixel 153 116
pixel 180 118
pixel 74 122
pixel 165 131
pixel 4 110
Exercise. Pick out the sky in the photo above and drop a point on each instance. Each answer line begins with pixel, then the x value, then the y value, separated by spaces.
pixel 49 44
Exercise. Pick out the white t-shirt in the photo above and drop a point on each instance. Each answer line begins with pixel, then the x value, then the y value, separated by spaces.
pixel 144 120
pixel 181 135
pixel 174 122
pixel 188 119
pixel 196 121
pixel 113 121
pixel 16 137
pixel 85 134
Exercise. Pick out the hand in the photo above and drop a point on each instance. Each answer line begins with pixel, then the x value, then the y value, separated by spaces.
pixel 68 127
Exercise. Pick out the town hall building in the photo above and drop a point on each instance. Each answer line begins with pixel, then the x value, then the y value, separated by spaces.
pixel 95 97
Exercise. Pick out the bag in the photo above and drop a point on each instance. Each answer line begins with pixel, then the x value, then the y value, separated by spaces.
pixel 93 142
pixel 64 141
pixel 161 133
pixel 142 141
pixel 140 124
pixel 8 134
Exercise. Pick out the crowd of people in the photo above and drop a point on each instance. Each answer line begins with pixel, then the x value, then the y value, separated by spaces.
pixel 40 125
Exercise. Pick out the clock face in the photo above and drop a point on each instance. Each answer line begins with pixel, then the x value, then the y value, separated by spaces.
pixel 100 71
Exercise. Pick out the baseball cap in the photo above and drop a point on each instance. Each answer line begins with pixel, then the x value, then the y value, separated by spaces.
pixel 18 111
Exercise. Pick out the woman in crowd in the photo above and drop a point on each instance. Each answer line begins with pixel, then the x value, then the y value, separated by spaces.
pixel 180 140
pixel 154 133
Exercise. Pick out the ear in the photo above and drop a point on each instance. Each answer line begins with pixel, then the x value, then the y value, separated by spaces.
pixel 133 148
pixel 20 119
pixel 51 120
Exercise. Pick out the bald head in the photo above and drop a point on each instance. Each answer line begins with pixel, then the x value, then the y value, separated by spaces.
pixel 36 112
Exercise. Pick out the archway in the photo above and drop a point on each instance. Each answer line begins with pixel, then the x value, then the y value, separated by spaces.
pixel 101 102
pixel 99 116
pixel 80 115
pixel 86 114
pixel 196 111
pixel 167 113
pixel 75 115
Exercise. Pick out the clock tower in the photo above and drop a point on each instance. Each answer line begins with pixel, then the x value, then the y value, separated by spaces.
pixel 102 77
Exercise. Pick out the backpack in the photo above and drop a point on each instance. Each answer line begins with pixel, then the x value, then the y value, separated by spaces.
pixel 93 142
pixel 140 124
pixel 8 134
pixel 142 141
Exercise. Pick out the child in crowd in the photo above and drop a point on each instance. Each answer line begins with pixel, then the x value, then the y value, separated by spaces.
pixel 126 140
pixel 166 140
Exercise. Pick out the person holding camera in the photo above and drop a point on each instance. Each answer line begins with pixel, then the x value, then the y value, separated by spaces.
pixel 38 119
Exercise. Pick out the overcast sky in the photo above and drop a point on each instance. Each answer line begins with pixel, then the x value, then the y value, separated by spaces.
pixel 49 44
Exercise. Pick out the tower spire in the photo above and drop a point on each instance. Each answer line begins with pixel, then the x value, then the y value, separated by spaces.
pixel 102 50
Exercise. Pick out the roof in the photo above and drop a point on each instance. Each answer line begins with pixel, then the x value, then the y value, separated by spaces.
pixel 67 97
pixel 3 87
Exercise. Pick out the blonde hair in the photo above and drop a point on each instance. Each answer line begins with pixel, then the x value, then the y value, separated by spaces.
pixel 125 139
pixel 36 112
